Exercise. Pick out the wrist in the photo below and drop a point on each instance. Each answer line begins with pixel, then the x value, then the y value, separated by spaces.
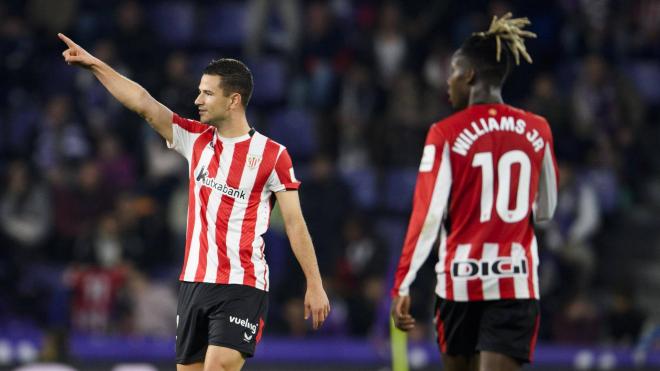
pixel 314 284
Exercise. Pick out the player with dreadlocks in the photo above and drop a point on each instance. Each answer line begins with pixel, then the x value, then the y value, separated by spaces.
pixel 487 173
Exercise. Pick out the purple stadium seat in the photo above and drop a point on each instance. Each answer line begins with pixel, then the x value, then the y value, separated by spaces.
pixel 296 130
pixel 399 188
pixel 224 24
pixel 363 183
pixel 269 80
pixel 174 21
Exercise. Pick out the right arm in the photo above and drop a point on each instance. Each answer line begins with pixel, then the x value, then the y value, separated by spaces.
pixel 429 204
pixel 127 92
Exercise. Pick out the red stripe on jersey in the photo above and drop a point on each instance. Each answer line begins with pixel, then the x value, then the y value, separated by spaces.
pixel 271 149
pixel 204 194
pixel 507 285
pixel 189 125
pixel 198 148
pixel 531 268
pixel 475 287
pixel 225 209
pixel 451 254
pixel 266 265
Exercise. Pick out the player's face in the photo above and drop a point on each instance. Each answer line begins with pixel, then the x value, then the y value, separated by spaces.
pixel 214 107
pixel 459 82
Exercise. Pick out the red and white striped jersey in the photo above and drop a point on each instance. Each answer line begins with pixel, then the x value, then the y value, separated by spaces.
pixel 230 198
pixel 485 173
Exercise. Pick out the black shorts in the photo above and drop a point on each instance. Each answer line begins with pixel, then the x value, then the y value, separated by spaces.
pixel 509 327
pixel 231 316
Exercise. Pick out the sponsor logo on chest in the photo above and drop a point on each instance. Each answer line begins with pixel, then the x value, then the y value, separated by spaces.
pixel 203 178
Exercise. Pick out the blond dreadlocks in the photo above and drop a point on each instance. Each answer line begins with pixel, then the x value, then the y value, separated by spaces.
pixel 511 31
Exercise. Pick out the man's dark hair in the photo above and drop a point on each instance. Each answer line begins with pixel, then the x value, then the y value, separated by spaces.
pixel 480 50
pixel 235 77
pixel 491 52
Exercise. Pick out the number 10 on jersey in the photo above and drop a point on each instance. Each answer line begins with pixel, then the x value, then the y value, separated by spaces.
pixel 484 160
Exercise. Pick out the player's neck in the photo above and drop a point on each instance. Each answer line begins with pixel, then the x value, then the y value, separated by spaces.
pixel 233 127
pixel 485 93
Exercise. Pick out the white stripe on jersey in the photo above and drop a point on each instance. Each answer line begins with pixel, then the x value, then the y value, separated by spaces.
pixel 261 225
pixel 441 286
pixel 460 283
pixel 432 222
pixel 546 199
pixel 491 287
pixel 533 268
pixel 212 214
pixel 237 273
pixel 521 281
pixel 193 257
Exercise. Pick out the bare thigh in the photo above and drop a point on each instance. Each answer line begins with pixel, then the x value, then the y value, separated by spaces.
pixel 199 366
pixel 491 361
pixel 460 363
pixel 223 359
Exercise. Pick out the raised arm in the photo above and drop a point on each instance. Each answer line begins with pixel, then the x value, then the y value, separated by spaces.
pixel 127 92
pixel 316 300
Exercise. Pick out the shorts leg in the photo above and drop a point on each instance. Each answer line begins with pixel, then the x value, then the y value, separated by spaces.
pixel 457 326
pixel 191 325
pixel 239 322
pixel 510 327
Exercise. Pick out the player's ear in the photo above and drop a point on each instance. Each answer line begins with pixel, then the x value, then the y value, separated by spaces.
pixel 235 100
pixel 470 75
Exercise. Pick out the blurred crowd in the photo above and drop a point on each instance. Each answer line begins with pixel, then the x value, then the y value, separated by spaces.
pixel 93 204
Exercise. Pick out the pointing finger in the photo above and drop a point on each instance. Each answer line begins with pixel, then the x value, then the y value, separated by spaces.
pixel 66 40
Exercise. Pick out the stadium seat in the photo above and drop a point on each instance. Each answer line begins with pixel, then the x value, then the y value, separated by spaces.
pixel 224 25
pixel 174 21
pixel 269 79
pixel 363 184
pixel 295 129
pixel 399 188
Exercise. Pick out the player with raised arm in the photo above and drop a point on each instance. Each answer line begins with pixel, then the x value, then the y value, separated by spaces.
pixel 236 174
pixel 487 172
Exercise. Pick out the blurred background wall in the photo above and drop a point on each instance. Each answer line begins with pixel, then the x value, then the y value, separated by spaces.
pixel 93 205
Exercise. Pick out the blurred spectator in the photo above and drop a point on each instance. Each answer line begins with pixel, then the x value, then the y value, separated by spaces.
pixel 152 306
pixel 261 34
pixel 390 44
pixel 117 168
pixel 576 220
pixel 579 322
pixel 625 320
pixel 362 272
pixel 24 209
pixel 62 139
pixel 77 206
pixel 326 200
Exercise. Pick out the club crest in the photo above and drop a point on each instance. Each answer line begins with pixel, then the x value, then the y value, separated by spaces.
pixel 253 161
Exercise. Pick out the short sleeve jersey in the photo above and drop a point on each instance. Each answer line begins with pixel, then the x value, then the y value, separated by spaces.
pixel 486 173
pixel 231 194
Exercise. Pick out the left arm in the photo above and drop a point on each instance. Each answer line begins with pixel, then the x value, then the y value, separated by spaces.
pixel 316 300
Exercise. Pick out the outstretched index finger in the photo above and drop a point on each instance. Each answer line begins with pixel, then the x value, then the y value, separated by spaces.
pixel 66 40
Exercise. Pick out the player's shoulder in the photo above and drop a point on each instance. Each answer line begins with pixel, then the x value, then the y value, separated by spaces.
pixel 270 144
pixel 190 125
pixel 448 123
pixel 530 116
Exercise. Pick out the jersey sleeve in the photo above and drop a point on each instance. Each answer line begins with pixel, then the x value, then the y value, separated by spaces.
pixel 184 134
pixel 429 209
pixel 283 178
pixel 546 197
